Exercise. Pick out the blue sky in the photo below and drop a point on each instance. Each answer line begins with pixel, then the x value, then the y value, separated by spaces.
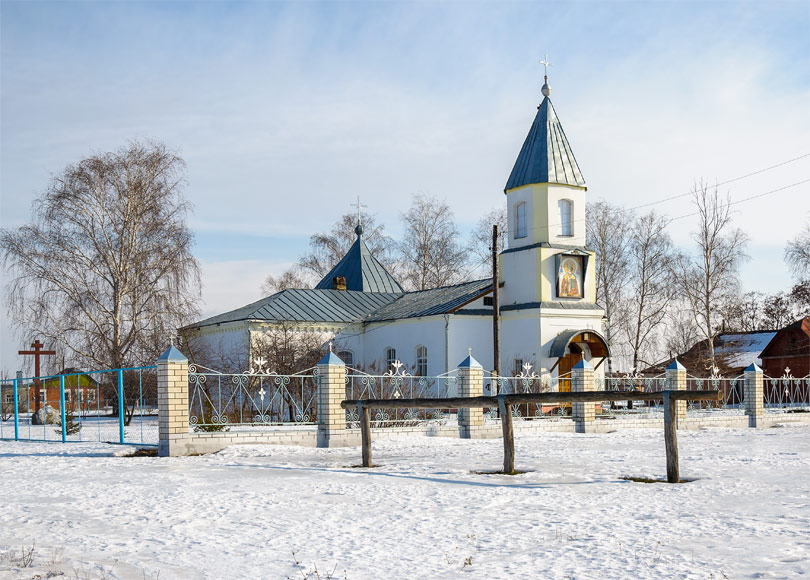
pixel 286 112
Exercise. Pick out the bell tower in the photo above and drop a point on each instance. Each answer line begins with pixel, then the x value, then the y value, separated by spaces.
pixel 547 272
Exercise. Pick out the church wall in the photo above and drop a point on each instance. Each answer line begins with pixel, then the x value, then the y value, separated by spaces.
pixel 405 336
pixel 552 198
pixel 220 347
pixel 520 338
pixel 519 273
pixel 474 332
pixel 513 198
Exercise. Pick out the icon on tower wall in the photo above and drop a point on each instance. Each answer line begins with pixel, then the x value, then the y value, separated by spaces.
pixel 569 276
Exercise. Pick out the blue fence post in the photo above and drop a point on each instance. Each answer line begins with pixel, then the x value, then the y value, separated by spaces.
pixel 121 405
pixel 62 406
pixel 16 414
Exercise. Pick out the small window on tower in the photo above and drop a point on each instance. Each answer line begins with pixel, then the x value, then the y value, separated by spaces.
pixel 566 217
pixel 488 301
pixel 520 220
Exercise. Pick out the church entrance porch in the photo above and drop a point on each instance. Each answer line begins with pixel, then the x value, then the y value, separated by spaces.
pixel 570 347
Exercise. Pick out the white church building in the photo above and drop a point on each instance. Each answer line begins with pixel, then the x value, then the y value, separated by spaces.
pixel 549 316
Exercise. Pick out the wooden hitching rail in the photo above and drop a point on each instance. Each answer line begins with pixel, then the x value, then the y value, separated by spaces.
pixel 505 402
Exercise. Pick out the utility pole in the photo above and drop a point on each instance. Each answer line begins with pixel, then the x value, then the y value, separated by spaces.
pixel 37 352
pixel 496 309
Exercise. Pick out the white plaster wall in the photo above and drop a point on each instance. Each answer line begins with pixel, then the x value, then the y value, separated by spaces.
pixel 471 332
pixel 229 341
pixel 405 336
pixel 519 277
pixel 555 194
pixel 514 197
pixel 520 338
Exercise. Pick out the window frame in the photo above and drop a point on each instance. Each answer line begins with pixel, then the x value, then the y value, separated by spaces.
pixel 421 360
pixel 387 355
pixel 521 227
pixel 342 355
pixel 566 225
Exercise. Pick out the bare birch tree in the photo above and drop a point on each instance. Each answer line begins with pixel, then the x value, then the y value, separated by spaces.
pixel 797 254
pixel 607 234
pixel 290 278
pixel 430 253
pixel 649 288
pixel 707 279
pixel 481 240
pixel 105 269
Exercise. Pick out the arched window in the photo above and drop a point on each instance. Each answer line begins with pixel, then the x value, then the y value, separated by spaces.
pixel 347 357
pixel 390 357
pixel 421 361
pixel 520 220
pixel 566 217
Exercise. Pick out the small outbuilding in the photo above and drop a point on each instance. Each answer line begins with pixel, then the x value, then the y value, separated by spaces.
pixel 788 349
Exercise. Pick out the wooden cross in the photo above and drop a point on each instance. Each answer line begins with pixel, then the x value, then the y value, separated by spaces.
pixel 37 352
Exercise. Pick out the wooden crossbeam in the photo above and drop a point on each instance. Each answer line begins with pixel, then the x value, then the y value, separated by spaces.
pixel 505 402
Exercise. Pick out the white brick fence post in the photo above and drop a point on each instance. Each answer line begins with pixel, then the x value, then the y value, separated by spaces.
pixel 470 384
pixel 172 375
pixel 331 392
pixel 582 382
pixel 754 394
pixel 676 381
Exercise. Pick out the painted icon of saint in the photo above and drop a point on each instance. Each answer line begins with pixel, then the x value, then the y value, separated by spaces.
pixel 568 279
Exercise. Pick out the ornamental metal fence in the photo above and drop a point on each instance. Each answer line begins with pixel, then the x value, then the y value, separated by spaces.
pixel 528 381
pixel 256 398
pixel 397 383
pixel 786 394
pixel 731 388
pixel 628 383
pixel 112 406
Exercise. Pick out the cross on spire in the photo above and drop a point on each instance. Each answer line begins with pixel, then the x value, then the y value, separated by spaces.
pixel 545 64
pixel 359 207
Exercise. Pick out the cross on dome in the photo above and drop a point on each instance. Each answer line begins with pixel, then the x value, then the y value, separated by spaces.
pixel 546 90
pixel 359 207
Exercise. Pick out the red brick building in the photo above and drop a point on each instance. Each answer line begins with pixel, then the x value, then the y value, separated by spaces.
pixel 789 348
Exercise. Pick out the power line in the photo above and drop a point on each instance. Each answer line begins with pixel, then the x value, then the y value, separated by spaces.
pixel 664 200
pixel 746 198
pixel 724 182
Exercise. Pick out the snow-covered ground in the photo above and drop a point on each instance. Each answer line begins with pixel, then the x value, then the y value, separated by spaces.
pixel 423 513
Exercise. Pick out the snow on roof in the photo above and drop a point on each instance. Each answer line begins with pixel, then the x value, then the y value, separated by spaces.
pixel 740 350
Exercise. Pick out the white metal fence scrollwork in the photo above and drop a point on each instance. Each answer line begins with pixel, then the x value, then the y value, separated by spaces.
pixel 219 401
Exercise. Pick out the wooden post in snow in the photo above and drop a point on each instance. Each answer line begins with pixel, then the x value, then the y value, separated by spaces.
pixel 671 437
pixel 508 435
pixel 365 433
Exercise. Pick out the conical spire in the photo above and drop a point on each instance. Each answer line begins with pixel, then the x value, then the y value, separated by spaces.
pixel 361 270
pixel 546 156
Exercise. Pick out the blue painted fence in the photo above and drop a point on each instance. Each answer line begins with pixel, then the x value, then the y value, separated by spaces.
pixel 113 406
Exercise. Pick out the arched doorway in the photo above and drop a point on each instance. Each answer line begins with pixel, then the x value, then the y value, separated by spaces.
pixel 571 346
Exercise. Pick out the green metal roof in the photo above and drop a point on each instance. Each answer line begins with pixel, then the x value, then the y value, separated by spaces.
pixel 362 271
pixel 546 156
pixel 430 302
pixel 348 306
pixel 305 305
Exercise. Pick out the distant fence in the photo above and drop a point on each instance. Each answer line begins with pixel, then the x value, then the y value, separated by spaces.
pixel 114 406
pixel 786 394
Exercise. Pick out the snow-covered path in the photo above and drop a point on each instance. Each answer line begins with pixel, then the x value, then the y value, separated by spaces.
pixel 423 513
